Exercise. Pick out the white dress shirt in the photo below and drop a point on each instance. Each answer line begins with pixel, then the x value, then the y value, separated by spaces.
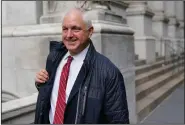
pixel 75 67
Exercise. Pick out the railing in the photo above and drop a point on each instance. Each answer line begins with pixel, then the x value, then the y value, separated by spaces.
pixel 174 55
pixel 181 51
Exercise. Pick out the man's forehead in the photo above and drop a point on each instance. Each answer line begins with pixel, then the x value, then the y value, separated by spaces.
pixel 73 22
pixel 71 25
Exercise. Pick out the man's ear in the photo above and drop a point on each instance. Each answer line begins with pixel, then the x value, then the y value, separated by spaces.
pixel 91 30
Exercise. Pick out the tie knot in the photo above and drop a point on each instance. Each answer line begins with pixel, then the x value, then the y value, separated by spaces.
pixel 69 60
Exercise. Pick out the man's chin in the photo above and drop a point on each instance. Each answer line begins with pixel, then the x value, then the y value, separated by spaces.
pixel 72 49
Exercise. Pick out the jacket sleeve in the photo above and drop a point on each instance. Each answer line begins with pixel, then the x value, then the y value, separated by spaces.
pixel 52 47
pixel 115 105
pixel 37 85
pixel 48 61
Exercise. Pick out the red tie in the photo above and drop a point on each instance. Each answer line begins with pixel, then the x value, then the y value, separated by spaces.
pixel 61 100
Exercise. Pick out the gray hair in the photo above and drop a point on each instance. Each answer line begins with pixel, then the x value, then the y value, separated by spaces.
pixel 85 18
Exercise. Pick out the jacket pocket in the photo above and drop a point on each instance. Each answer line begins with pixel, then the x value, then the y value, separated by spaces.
pixel 92 111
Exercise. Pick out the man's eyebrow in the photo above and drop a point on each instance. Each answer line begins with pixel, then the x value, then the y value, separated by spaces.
pixel 76 27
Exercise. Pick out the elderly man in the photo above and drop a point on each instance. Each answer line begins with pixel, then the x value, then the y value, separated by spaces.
pixel 79 85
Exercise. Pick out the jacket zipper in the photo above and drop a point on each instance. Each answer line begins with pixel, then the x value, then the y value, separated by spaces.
pixel 84 100
pixel 77 108
pixel 83 106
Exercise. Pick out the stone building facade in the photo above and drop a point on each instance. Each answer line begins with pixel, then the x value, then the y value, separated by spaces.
pixel 123 29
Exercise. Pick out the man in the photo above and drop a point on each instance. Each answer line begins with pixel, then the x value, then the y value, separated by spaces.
pixel 79 85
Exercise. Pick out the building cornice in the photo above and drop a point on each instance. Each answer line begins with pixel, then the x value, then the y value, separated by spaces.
pixel 55 29
pixel 139 11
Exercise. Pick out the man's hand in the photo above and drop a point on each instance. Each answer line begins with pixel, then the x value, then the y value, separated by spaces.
pixel 42 76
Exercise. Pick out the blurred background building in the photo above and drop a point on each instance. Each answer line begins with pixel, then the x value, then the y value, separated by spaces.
pixel 145 39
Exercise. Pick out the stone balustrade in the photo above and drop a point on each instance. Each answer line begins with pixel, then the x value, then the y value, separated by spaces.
pixel 19 111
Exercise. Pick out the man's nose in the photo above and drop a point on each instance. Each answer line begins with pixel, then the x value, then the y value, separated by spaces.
pixel 69 33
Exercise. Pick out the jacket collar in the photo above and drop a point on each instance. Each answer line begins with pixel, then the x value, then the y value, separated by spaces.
pixel 90 57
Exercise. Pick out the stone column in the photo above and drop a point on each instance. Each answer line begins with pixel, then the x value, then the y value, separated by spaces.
pixel 139 17
pixel 159 26
pixel 171 14
pixel 180 29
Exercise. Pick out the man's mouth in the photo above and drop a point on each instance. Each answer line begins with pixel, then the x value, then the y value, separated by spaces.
pixel 71 40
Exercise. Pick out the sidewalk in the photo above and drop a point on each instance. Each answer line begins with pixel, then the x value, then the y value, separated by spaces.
pixel 171 110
